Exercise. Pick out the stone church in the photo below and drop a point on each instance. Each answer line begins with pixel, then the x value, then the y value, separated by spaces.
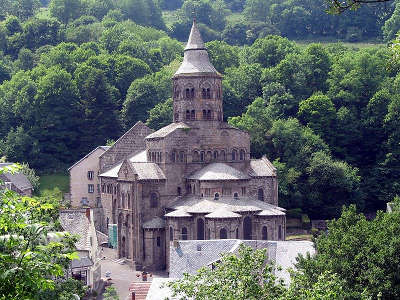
pixel 191 180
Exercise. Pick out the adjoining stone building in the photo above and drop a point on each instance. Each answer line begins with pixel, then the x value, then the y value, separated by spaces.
pixel 193 179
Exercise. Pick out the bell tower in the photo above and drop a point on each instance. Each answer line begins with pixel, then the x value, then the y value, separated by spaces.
pixel 197 86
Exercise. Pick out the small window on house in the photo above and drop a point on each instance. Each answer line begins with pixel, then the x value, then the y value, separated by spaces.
pixel 153 200
pixel 242 155
pixel 264 233
pixel 215 155
pixel 223 234
pixel 90 188
pixel 171 234
pixel 188 115
pixel 90 175
pixel 216 196
pixel 193 115
pixel 234 154
pixel 184 233
pixel 158 241
pixel 84 201
pixel 260 194
pixel 202 155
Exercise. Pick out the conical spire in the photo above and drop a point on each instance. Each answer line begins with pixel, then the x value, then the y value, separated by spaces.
pixel 195 41
pixel 196 58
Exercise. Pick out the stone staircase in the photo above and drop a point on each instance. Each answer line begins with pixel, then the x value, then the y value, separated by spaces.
pixel 141 289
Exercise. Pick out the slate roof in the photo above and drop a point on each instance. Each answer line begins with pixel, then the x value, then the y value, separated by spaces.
pixel 148 171
pixel 196 58
pixel 224 206
pixel 81 263
pixel 261 168
pixel 218 171
pixel 222 213
pixel 76 222
pixel 186 258
pixel 104 148
pixel 154 223
pixel 166 130
pixel 18 179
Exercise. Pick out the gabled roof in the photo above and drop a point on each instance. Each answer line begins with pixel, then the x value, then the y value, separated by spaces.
pixel 148 171
pixel 218 171
pixel 75 221
pixel 18 179
pixel 261 168
pixel 163 132
pixel 138 156
pixel 104 148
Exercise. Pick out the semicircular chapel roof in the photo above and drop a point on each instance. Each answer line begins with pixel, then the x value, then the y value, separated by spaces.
pixel 218 171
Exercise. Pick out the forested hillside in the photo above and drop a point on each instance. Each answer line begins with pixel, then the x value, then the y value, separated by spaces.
pixel 77 73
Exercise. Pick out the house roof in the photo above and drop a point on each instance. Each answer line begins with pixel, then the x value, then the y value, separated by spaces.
pixel 81 263
pixel 196 58
pixel 76 222
pixel 261 168
pixel 191 255
pixel 154 223
pixel 224 206
pixel 18 179
pixel 218 171
pixel 104 148
pixel 222 213
pixel 166 130
pixel 148 171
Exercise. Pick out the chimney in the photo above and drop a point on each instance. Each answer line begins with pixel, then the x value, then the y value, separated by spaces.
pixel 88 213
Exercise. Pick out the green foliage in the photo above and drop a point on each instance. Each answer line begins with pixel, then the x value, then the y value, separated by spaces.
pixel 31 175
pixel 346 249
pixel 160 115
pixel 110 293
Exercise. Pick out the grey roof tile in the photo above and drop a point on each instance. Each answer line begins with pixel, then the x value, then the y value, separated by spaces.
pixel 76 222
pixel 163 132
pixel 261 168
pixel 18 179
pixel 148 171
pixel 154 223
pixel 81 263
pixel 218 171
pixel 104 148
pixel 222 213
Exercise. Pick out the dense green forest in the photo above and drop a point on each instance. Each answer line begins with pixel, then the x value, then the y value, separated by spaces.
pixel 76 73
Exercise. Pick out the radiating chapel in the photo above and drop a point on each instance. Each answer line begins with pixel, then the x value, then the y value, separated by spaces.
pixel 191 180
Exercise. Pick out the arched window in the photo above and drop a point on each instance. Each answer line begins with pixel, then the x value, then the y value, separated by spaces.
pixel 215 155
pixel 216 196
pixel 236 195
pixel 204 114
pixel 279 232
pixel 196 156
pixel 208 93
pixel 192 93
pixel 184 233
pixel 223 155
pixel 237 233
pixel 200 229
pixel 264 233
pixel 171 234
pixel 209 115
pixel 203 94
pixel 193 115
pixel 153 200
pixel 209 156
pixel 260 194
pixel 234 154
pixel 176 117
pixel 123 200
pixel 179 191
pixel 202 155
pixel 129 201
pixel 173 156
pixel 242 155
pixel 187 93
pixel 223 234
pixel 209 234
pixel 188 115
pixel 194 189
pixel 182 156
pixel 247 228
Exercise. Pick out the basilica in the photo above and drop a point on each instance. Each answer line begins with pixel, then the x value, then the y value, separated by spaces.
pixel 191 180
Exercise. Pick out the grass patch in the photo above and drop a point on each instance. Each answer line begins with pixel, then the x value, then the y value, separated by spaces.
pixel 49 182
pixel 299 237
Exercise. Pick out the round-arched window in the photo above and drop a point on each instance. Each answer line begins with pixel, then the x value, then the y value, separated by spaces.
pixel 223 234
pixel 216 196
pixel 260 194
pixel 234 154
pixel 153 200
pixel 184 233
pixel 171 234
